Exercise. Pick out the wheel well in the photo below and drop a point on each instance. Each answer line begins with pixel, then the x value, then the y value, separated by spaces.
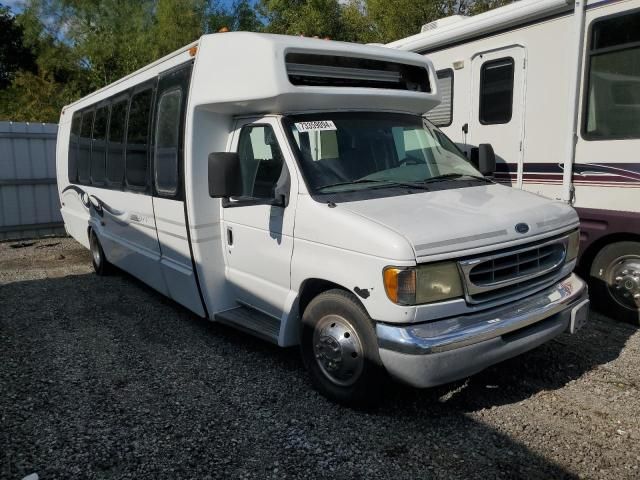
pixel 313 287
pixel 587 257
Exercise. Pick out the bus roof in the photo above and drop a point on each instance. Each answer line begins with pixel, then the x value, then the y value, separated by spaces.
pixel 242 72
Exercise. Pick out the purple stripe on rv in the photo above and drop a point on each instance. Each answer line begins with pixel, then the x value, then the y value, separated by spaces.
pixel 595 224
pixel 611 172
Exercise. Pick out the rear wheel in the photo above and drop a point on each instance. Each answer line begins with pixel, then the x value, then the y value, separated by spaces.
pixel 340 351
pixel 100 263
pixel 615 286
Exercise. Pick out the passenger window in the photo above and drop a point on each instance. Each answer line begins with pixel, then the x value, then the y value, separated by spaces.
pixel 442 115
pixel 138 138
pixel 496 91
pixel 167 142
pixel 73 147
pixel 84 152
pixel 613 93
pixel 98 150
pixel 261 161
pixel 115 147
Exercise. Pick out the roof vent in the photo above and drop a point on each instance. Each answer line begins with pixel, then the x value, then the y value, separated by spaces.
pixel 308 69
pixel 442 22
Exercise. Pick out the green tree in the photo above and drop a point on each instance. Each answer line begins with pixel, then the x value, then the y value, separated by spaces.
pixel 14 54
pixel 311 18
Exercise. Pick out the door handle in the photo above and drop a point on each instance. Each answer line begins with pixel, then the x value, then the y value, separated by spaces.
pixel 229 236
pixel 465 128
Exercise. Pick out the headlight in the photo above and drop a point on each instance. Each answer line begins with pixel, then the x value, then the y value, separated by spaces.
pixel 422 284
pixel 573 245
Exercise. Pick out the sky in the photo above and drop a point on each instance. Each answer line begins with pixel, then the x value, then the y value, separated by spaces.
pixel 14 5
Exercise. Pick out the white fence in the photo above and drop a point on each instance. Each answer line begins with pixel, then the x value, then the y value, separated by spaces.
pixel 29 205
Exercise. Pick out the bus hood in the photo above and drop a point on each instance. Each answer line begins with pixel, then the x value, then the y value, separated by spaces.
pixel 467 220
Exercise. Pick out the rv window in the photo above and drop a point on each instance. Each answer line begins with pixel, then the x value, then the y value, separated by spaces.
pixel 442 115
pixel 138 139
pixel 98 150
pixel 167 142
pixel 613 93
pixel 496 91
pixel 73 147
pixel 115 153
pixel 84 153
pixel 260 161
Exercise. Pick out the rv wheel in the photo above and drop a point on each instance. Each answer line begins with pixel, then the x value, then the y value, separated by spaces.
pixel 615 285
pixel 100 263
pixel 340 351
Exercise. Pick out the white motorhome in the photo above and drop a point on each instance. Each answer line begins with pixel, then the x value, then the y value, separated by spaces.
pixel 554 87
pixel 290 187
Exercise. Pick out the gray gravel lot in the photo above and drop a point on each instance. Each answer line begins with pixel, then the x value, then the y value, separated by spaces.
pixel 104 378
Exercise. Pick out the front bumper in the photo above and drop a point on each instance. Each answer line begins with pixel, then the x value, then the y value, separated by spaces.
pixel 437 352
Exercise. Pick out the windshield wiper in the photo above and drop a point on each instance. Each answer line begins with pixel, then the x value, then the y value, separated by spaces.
pixel 449 176
pixel 382 183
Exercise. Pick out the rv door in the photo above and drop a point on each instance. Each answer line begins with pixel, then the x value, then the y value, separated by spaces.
pixel 497 108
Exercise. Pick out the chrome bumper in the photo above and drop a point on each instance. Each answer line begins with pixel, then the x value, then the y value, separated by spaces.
pixel 438 352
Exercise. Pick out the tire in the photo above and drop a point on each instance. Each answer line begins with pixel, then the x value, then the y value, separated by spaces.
pixel 340 350
pixel 615 281
pixel 100 263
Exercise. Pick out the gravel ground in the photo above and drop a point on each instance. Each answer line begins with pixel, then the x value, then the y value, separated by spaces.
pixel 104 378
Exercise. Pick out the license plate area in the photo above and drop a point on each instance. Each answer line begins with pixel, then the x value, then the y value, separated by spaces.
pixel 579 316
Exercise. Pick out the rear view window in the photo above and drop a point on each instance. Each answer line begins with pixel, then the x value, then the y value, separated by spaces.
pixel 167 142
pixel 98 150
pixel 442 115
pixel 84 152
pixel 115 146
pixel 73 147
pixel 138 138
pixel 496 91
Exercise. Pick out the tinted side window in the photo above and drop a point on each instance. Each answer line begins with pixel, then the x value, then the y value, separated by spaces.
pixel 167 142
pixel 496 91
pixel 442 115
pixel 73 147
pixel 613 92
pixel 260 161
pixel 138 139
pixel 98 150
pixel 115 146
pixel 84 152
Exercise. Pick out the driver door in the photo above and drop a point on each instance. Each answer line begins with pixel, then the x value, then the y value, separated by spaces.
pixel 259 235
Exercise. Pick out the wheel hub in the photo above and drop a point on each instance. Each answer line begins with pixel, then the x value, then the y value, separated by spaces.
pixel 95 251
pixel 338 350
pixel 625 284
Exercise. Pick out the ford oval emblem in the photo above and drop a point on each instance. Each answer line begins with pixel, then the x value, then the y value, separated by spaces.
pixel 522 228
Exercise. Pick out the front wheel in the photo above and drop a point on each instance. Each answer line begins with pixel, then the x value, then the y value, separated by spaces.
pixel 339 349
pixel 615 274
pixel 100 262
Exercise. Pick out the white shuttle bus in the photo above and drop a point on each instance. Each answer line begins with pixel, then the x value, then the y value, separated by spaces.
pixel 554 87
pixel 291 188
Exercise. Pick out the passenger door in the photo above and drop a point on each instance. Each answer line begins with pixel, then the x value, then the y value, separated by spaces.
pixel 168 188
pixel 259 236
pixel 497 112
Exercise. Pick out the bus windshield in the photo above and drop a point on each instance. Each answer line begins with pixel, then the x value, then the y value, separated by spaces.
pixel 341 152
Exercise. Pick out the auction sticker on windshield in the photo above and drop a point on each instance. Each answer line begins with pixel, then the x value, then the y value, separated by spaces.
pixel 318 125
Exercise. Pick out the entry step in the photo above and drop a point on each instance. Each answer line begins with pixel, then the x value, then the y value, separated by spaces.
pixel 252 321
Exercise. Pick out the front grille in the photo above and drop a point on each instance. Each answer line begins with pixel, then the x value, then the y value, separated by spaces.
pixel 516 265
pixel 513 271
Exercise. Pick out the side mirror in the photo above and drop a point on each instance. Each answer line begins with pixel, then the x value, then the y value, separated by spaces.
pixel 225 179
pixel 486 159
